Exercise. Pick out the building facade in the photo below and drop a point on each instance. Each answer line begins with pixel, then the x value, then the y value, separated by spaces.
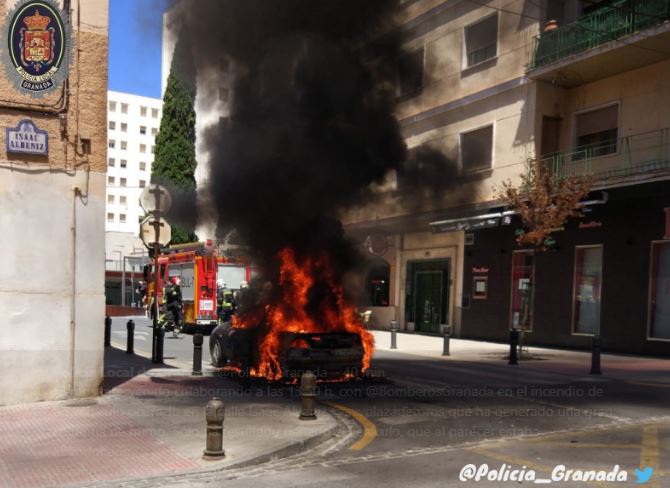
pixel 582 87
pixel 52 208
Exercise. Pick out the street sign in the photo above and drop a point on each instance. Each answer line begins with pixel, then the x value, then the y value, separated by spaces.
pixel 155 198
pixel 148 232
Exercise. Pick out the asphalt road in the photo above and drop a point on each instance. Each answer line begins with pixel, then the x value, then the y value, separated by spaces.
pixel 419 421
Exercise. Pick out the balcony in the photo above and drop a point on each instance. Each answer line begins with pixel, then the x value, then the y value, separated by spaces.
pixel 604 42
pixel 645 155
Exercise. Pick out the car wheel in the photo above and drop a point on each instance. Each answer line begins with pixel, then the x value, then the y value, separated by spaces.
pixel 218 359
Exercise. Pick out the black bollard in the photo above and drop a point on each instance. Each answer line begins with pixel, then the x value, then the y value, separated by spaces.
pixel 160 337
pixel 513 344
pixel 394 329
pixel 445 346
pixel 307 396
pixel 108 331
pixel 595 355
pixel 197 354
pixel 130 344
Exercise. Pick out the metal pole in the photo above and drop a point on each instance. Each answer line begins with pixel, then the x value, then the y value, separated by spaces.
pixel 157 343
pixel 123 280
pixel 130 344
pixel 108 331
pixel 595 355
pixel 394 328
pixel 513 343
pixel 197 354
pixel 445 346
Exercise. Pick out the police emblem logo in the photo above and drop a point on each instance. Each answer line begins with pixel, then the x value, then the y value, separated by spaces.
pixel 37 53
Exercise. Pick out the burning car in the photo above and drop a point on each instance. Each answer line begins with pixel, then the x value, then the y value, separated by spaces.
pixel 307 325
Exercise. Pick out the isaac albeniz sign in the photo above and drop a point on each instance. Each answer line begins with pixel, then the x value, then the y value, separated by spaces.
pixel 37 46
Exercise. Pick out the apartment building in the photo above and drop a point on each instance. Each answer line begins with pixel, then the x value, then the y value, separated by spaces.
pixel 581 86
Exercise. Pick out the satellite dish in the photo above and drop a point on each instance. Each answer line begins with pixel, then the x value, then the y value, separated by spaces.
pixel 155 199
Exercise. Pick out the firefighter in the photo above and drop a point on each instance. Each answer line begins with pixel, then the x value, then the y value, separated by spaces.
pixel 225 301
pixel 173 302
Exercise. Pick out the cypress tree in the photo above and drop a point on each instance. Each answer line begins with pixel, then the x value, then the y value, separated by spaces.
pixel 174 157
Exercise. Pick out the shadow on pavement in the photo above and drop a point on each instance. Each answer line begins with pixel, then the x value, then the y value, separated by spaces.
pixel 121 367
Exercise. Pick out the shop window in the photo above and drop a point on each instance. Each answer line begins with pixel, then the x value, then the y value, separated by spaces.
pixel 481 41
pixel 410 73
pixel 477 150
pixel 587 285
pixel 523 277
pixel 377 282
pixel 597 132
pixel 659 291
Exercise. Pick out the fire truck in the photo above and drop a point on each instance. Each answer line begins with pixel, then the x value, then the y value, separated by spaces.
pixel 199 267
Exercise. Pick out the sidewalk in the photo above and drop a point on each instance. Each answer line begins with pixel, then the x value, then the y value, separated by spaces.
pixel 640 369
pixel 149 422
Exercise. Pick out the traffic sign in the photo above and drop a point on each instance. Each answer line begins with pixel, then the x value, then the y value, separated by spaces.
pixel 155 199
pixel 148 231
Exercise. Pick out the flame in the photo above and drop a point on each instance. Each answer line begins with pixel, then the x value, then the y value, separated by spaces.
pixel 294 313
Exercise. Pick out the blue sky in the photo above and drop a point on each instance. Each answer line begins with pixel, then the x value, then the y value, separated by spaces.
pixel 135 28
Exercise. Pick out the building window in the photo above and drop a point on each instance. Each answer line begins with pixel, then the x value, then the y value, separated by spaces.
pixel 377 282
pixel 111 180
pixel 143 130
pixel 124 108
pixel 523 277
pixel 112 106
pixel 110 217
pixel 123 182
pixel 154 131
pixel 124 127
pixel 111 162
pixel 477 150
pixel 122 218
pixel 143 166
pixel 154 113
pixel 111 144
pixel 597 132
pixel 143 148
pixel 143 183
pixel 153 149
pixel 110 198
pixel 659 291
pixel 122 199
pixel 410 73
pixel 124 145
pixel 124 163
pixel 481 40
pixel 143 111
pixel 586 294
pixel 112 125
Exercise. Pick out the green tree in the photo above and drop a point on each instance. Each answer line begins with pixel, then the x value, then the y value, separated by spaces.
pixel 174 156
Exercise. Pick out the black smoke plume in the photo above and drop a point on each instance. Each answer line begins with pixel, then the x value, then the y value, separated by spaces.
pixel 311 124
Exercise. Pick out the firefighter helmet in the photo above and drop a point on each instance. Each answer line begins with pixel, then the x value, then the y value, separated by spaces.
pixel 244 285
pixel 175 280
pixel 220 283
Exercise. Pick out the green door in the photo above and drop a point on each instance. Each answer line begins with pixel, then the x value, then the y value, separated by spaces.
pixel 428 300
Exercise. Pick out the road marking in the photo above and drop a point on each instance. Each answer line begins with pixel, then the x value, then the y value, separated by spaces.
pixel 648 383
pixel 369 429
pixel 649 454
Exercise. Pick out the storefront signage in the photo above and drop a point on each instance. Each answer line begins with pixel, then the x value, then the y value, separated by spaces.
pixel 482 269
pixel 37 49
pixel 480 286
pixel 26 138
pixel 590 225
pixel 466 225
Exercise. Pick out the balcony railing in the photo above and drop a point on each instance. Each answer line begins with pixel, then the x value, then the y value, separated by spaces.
pixel 638 154
pixel 603 25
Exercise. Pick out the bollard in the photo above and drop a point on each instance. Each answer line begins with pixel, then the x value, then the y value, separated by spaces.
pixel 513 344
pixel 197 354
pixel 445 346
pixel 130 344
pixel 160 340
pixel 215 412
pixel 307 396
pixel 108 331
pixel 595 355
pixel 394 329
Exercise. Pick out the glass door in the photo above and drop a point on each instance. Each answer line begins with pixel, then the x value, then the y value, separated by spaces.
pixel 523 278
pixel 428 301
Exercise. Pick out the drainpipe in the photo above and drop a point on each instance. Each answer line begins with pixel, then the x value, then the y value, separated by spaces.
pixel 76 191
